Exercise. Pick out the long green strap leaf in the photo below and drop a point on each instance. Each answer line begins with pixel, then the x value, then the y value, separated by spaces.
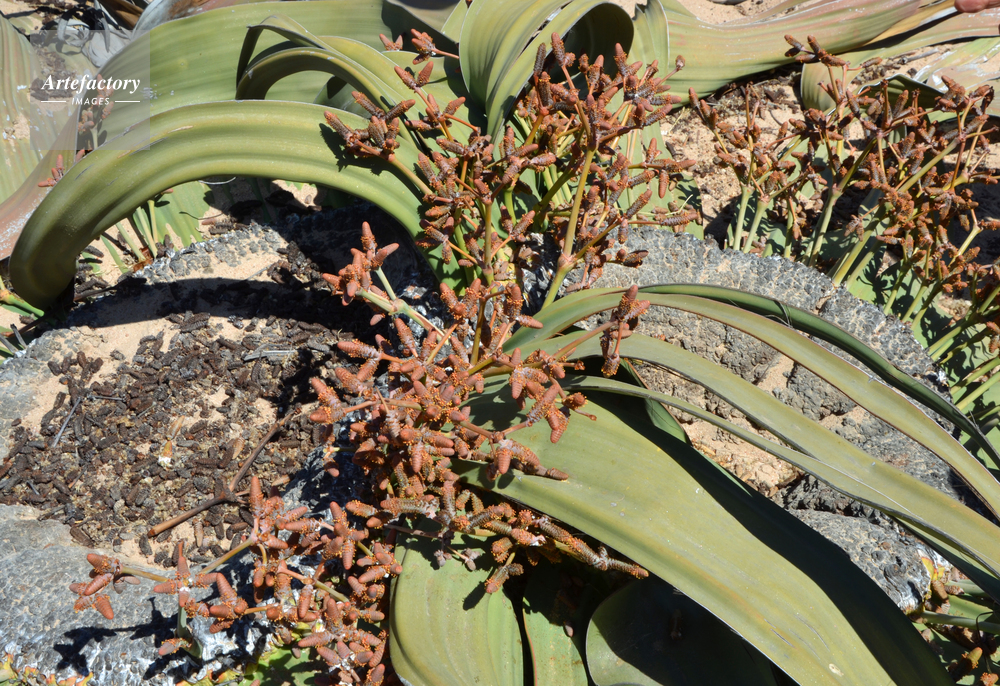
pixel 555 624
pixel 875 397
pixel 194 60
pixel 851 381
pixel 717 55
pixel 773 580
pixel 251 138
pixel 831 333
pixel 646 634
pixel 953 28
pixel 499 41
pixel 953 529
pixel 19 64
pixel 354 61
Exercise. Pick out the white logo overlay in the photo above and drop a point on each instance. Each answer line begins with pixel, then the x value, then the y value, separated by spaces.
pixel 89 89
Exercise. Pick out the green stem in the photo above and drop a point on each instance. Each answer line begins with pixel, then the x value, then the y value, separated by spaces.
pixel 151 206
pixel 758 215
pixel 408 173
pixel 8 298
pixel 508 202
pixel 989 299
pixel 394 307
pixel 964 403
pixel 488 244
pixel 119 262
pixel 144 231
pixel 927 304
pixel 736 231
pixel 904 267
pixel 232 553
pixel 554 188
pixel 385 283
pixel 557 281
pixel 789 226
pixel 984 368
pixel 320 585
pixel 134 571
pixel 963 622
pixel 836 191
pixel 479 331
pixel 938 346
pixel 968 241
pixel 989 419
pixel 459 237
pixel 972 341
pixel 824 223
pixel 845 263
pixel 927 167
pixel 577 201
pixel 916 300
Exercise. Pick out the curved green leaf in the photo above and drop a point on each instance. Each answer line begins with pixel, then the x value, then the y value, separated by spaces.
pixel 954 28
pixel 355 66
pixel 267 71
pixel 919 503
pixel 571 309
pixel 194 60
pixel 19 156
pixel 444 629
pixel 356 63
pixel 774 581
pixel 719 54
pixel 954 530
pixel 649 635
pixel 878 399
pixel 442 16
pixel 499 41
pixel 250 138
pixel 549 616
pixel 831 333
pixel 25 160
pixel 353 60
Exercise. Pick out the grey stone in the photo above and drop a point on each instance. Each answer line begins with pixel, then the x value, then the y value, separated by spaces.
pixel 890 558
pixel 38 561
